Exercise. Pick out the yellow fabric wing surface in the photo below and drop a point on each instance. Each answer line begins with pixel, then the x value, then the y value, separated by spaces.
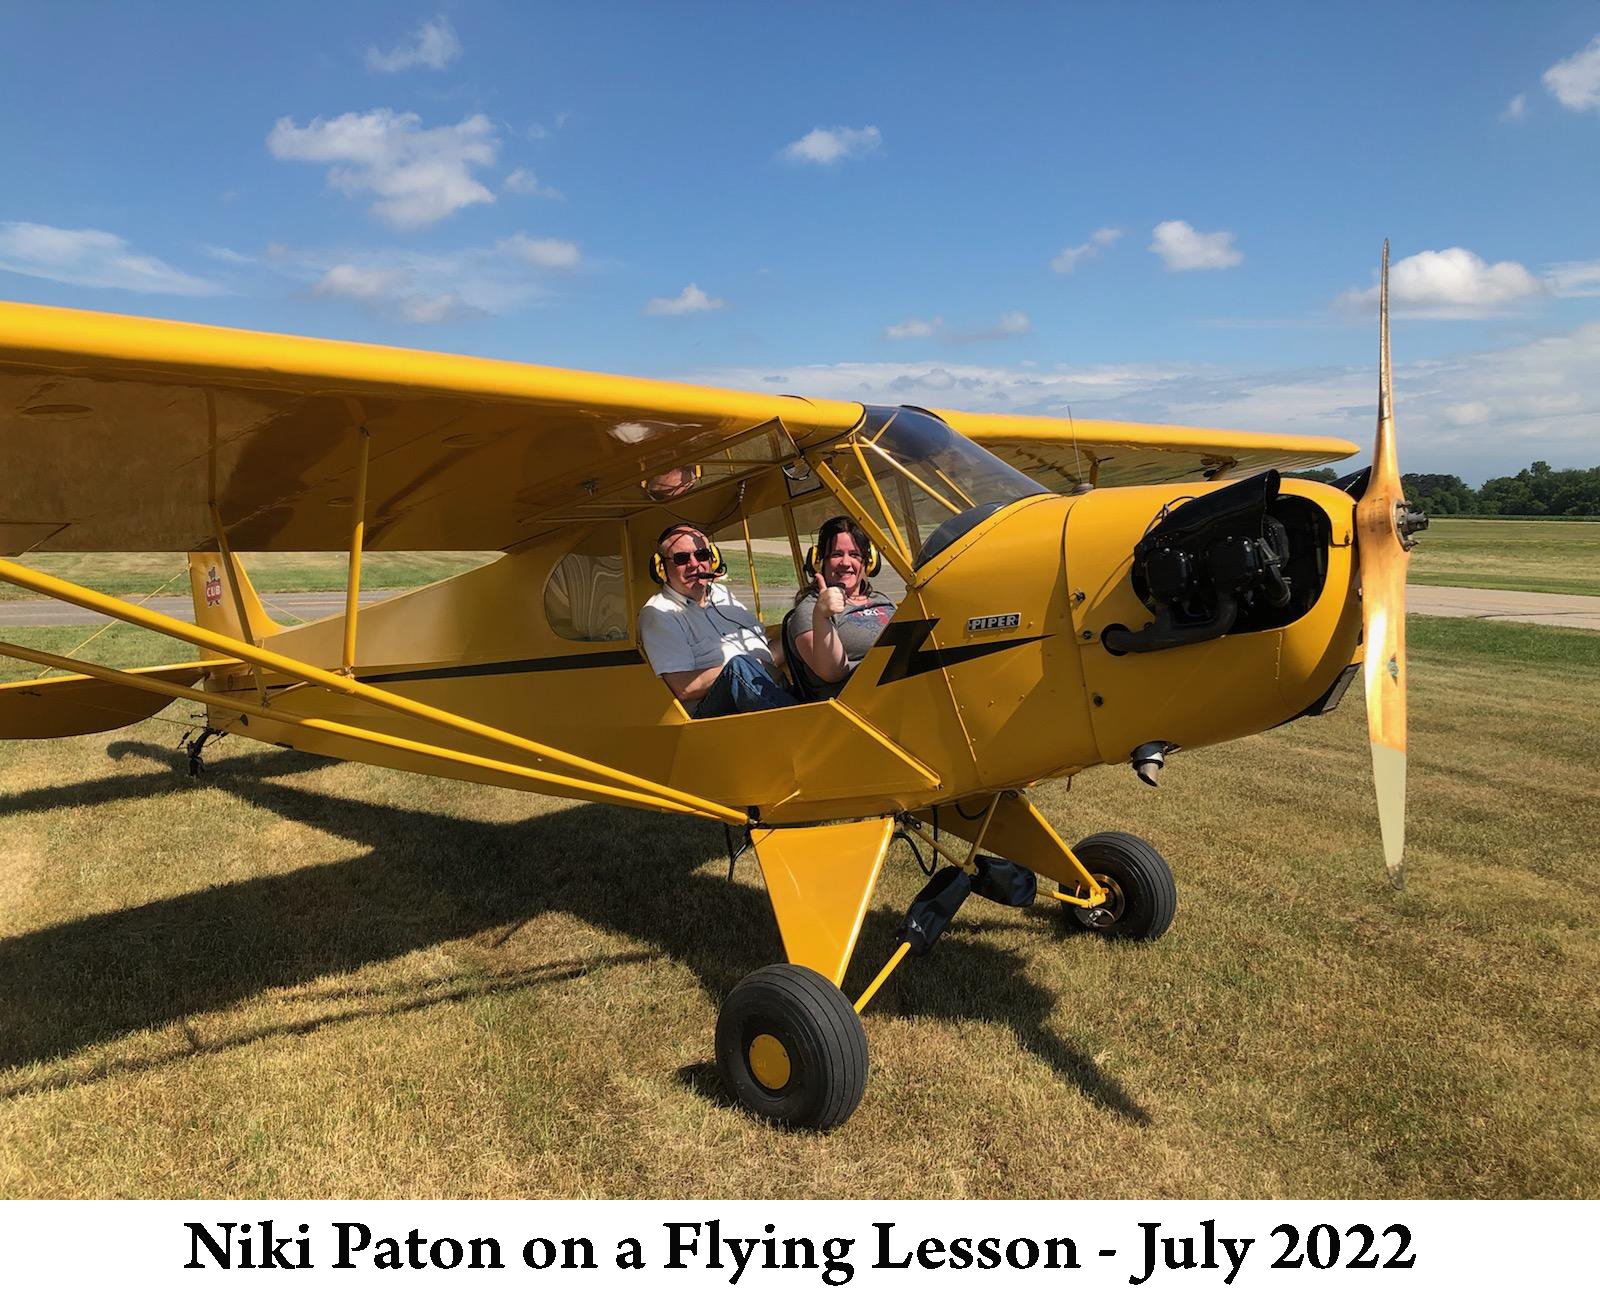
pixel 118 433
pixel 1060 453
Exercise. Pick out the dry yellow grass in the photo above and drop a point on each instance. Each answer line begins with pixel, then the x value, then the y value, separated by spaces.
pixel 300 978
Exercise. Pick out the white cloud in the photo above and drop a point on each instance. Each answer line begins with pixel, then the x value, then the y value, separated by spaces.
pixel 1013 324
pixel 1463 414
pixel 523 181
pixel 1574 279
pixel 1066 261
pixel 1516 110
pixel 1575 81
pixel 92 259
pixel 427 288
pixel 433 45
pixel 955 385
pixel 692 300
pixel 387 292
pixel 914 328
pixel 419 175
pixel 825 146
pixel 549 254
pixel 218 253
pixel 1473 413
pixel 1452 284
pixel 360 284
pixel 1183 247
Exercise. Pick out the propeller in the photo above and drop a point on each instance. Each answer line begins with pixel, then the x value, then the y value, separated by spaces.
pixel 1384 524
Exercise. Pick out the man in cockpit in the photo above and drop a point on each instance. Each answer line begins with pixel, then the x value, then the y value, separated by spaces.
pixel 708 648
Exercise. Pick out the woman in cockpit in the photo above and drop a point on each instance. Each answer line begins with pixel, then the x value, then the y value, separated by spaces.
pixel 839 617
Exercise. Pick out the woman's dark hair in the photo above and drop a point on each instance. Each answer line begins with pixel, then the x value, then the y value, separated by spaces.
pixel 826 535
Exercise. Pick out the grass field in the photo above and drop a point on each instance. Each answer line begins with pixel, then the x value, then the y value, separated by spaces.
pixel 141 574
pixel 1562 558
pixel 300 978
pixel 1559 557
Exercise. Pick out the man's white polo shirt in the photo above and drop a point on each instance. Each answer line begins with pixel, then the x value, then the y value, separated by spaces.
pixel 682 636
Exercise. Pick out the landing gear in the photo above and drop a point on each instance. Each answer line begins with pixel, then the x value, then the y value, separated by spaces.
pixel 791 1048
pixel 195 747
pixel 1141 894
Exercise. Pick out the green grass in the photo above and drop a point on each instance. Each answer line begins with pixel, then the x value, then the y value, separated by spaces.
pixel 774 572
pixel 140 574
pixel 302 978
pixel 1520 643
pixel 114 645
pixel 1559 557
pixel 130 574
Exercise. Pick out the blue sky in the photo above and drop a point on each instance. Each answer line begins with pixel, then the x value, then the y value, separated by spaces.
pixel 1140 211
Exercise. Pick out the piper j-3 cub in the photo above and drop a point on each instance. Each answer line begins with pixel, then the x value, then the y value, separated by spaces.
pixel 1062 601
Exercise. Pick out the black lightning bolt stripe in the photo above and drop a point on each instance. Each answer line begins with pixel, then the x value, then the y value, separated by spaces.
pixel 909 658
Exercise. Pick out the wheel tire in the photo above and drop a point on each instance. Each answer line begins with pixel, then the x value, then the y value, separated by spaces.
pixel 1144 896
pixel 791 1048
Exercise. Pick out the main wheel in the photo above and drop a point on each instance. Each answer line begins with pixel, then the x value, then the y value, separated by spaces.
pixel 1142 893
pixel 791 1048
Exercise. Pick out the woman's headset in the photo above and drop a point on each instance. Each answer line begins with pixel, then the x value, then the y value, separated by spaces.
pixel 658 564
pixel 872 560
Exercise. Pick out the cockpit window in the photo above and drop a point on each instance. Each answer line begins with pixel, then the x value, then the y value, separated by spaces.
pixel 936 484
pixel 585 598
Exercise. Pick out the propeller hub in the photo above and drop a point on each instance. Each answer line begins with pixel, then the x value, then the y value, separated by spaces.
pixel 1408 521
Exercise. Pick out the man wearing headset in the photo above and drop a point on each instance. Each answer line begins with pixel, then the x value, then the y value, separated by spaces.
pixel 709 649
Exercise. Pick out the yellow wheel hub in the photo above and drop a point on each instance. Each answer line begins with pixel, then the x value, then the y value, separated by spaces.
pixel 769 1062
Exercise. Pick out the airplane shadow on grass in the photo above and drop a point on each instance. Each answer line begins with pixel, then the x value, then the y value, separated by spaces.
pixel 426 878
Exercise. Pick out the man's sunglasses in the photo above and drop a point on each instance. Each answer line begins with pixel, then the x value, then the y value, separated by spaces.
pixel 681 560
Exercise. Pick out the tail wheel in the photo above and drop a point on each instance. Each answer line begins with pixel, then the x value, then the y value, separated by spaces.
pixel 1142 896
pixel 791 1048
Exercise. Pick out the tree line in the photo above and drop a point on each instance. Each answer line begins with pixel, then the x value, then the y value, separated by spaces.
pixel 1538 490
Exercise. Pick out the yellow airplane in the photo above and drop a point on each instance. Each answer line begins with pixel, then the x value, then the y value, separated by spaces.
pixel 1064 606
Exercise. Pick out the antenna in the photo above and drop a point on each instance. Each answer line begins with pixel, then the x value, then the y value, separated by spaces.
pixel 1076 458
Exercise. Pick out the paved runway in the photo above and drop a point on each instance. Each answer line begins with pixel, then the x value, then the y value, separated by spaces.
pixel 1505 605
pixel 1438 601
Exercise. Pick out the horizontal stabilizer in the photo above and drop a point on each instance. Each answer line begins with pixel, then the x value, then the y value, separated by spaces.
pixel 81 705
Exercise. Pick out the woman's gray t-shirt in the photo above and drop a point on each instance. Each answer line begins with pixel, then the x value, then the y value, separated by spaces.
pixel 859 626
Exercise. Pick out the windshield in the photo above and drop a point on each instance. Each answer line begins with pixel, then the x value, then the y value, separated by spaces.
pixel 936 483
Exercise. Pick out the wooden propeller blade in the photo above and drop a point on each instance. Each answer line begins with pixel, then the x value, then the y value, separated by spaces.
pixel 1384 558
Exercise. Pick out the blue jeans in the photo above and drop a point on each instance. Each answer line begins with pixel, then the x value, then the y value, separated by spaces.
pixel 744 685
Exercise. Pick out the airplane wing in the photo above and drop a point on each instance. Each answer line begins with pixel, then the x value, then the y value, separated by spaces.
pixel 1060 453
pixel 118 433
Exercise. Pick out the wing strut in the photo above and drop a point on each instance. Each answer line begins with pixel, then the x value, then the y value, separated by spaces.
pixel 886 547
pixel 236 587
pixel 536 781
pixel 621 781
pixel 358 528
